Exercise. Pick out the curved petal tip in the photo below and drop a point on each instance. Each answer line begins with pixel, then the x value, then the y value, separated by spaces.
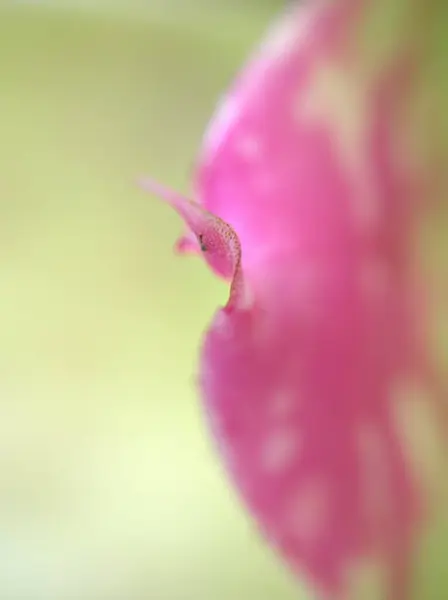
pixel 209 234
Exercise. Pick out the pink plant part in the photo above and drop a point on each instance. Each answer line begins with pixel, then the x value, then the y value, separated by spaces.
pixel 308 206
pixel 211 235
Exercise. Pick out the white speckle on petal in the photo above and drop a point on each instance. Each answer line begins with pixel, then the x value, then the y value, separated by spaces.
pixel 339 100
pixel 221 327
pixel 226 113
pixel 248 147
pixel 280 449
pixel 287 33
pixel 308 512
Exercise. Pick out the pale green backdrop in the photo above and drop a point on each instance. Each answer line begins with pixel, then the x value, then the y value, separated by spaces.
pixel 108 485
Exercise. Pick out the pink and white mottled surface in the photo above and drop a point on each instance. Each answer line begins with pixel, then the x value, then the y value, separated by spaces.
pixel 316 372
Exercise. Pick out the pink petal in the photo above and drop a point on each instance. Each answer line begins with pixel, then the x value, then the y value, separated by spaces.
pixel 300 381
pixel 216 239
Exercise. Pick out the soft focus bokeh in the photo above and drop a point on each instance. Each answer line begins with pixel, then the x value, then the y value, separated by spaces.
pixel 108 485
pixel 109 488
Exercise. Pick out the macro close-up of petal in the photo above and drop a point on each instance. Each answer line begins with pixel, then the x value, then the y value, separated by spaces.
pixel 318 377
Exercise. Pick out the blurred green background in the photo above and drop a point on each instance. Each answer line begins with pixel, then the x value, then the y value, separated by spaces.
pixel 109 488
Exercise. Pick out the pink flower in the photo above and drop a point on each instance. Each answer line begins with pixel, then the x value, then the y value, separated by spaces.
pixel 317 376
